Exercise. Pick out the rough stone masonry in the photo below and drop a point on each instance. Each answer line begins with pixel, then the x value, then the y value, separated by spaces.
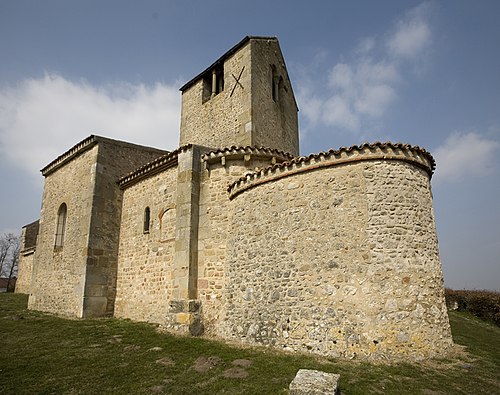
pixel 234 235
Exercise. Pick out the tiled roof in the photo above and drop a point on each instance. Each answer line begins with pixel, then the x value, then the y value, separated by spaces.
pixel 247 150
pixel 421 158
pixel 151 168
pixel 85 145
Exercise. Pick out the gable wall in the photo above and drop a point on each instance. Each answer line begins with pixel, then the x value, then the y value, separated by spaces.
pixel 59 275
pixel 275 122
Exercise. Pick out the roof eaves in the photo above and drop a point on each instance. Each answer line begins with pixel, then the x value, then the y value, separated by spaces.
pixel 151 168
pixel 77 149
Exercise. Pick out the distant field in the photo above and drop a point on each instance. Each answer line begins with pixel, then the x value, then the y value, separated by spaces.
pixel 43 354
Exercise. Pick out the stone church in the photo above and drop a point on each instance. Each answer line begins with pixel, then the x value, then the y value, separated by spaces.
pixel 234 235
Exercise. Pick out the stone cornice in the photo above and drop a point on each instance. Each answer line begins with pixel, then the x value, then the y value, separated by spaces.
pixel 76 150
pixel 154 167
pixel 366 152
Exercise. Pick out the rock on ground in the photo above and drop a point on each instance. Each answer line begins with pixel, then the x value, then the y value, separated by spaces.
pixel 314 382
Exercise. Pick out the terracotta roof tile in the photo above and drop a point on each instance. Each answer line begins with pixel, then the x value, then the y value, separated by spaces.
pixel 251 150
pixel 151 168
pixel 304 160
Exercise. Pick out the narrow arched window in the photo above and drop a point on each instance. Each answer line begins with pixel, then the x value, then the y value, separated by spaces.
pixel 147 219
pixel 61 225
pixel 275 80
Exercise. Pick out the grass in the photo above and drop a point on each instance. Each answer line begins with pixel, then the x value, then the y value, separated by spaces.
pixel 43 354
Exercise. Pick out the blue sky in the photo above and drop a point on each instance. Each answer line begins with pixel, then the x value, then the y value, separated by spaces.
pixel 424 73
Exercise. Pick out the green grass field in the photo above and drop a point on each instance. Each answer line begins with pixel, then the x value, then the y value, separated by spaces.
pixel 43 354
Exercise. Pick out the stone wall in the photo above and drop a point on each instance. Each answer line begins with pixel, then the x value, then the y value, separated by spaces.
pixel 145 259
pixel 220 121
pixel 337 255
pixel 275 120
pixel 220 170
pixel 59 273
pixel 24 272
pixel 115 159
pixel 26 257
pixel 78 278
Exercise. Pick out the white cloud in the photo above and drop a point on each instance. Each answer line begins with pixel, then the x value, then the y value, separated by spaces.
pixel 359 92
pixel 374 99
pixel 341 76
pixel 370 72
pixel 464 155
pixel 41 118
pixel 337 111
pixel 412 34
pixel 366 45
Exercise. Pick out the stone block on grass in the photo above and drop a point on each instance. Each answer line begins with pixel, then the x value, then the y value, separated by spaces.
pixel 314 382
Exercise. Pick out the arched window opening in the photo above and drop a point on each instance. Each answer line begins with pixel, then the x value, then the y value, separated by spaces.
pixel 213 83
pixel 147 219
pixel 61 225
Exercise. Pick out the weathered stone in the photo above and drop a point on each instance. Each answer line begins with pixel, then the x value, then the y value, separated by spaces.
pixel 314 382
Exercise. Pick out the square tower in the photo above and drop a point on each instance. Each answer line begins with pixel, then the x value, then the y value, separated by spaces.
pixel 245 98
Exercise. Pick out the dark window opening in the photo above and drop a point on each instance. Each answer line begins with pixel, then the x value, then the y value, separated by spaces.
pixel 61 225
pixel 276 83
pixel 147 219
pixel 213 83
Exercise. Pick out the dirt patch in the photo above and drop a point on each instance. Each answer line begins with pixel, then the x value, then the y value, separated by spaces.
pixel 244 363
pixel 165 361
pixel 235 373
pixel 204 364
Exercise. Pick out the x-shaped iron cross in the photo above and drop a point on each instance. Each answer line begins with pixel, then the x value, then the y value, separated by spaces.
pixel 237 81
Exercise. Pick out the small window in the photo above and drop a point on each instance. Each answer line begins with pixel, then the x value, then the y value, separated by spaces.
pixel 213 83
pixel 276 83
pixel 147 219
pixel 61 225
